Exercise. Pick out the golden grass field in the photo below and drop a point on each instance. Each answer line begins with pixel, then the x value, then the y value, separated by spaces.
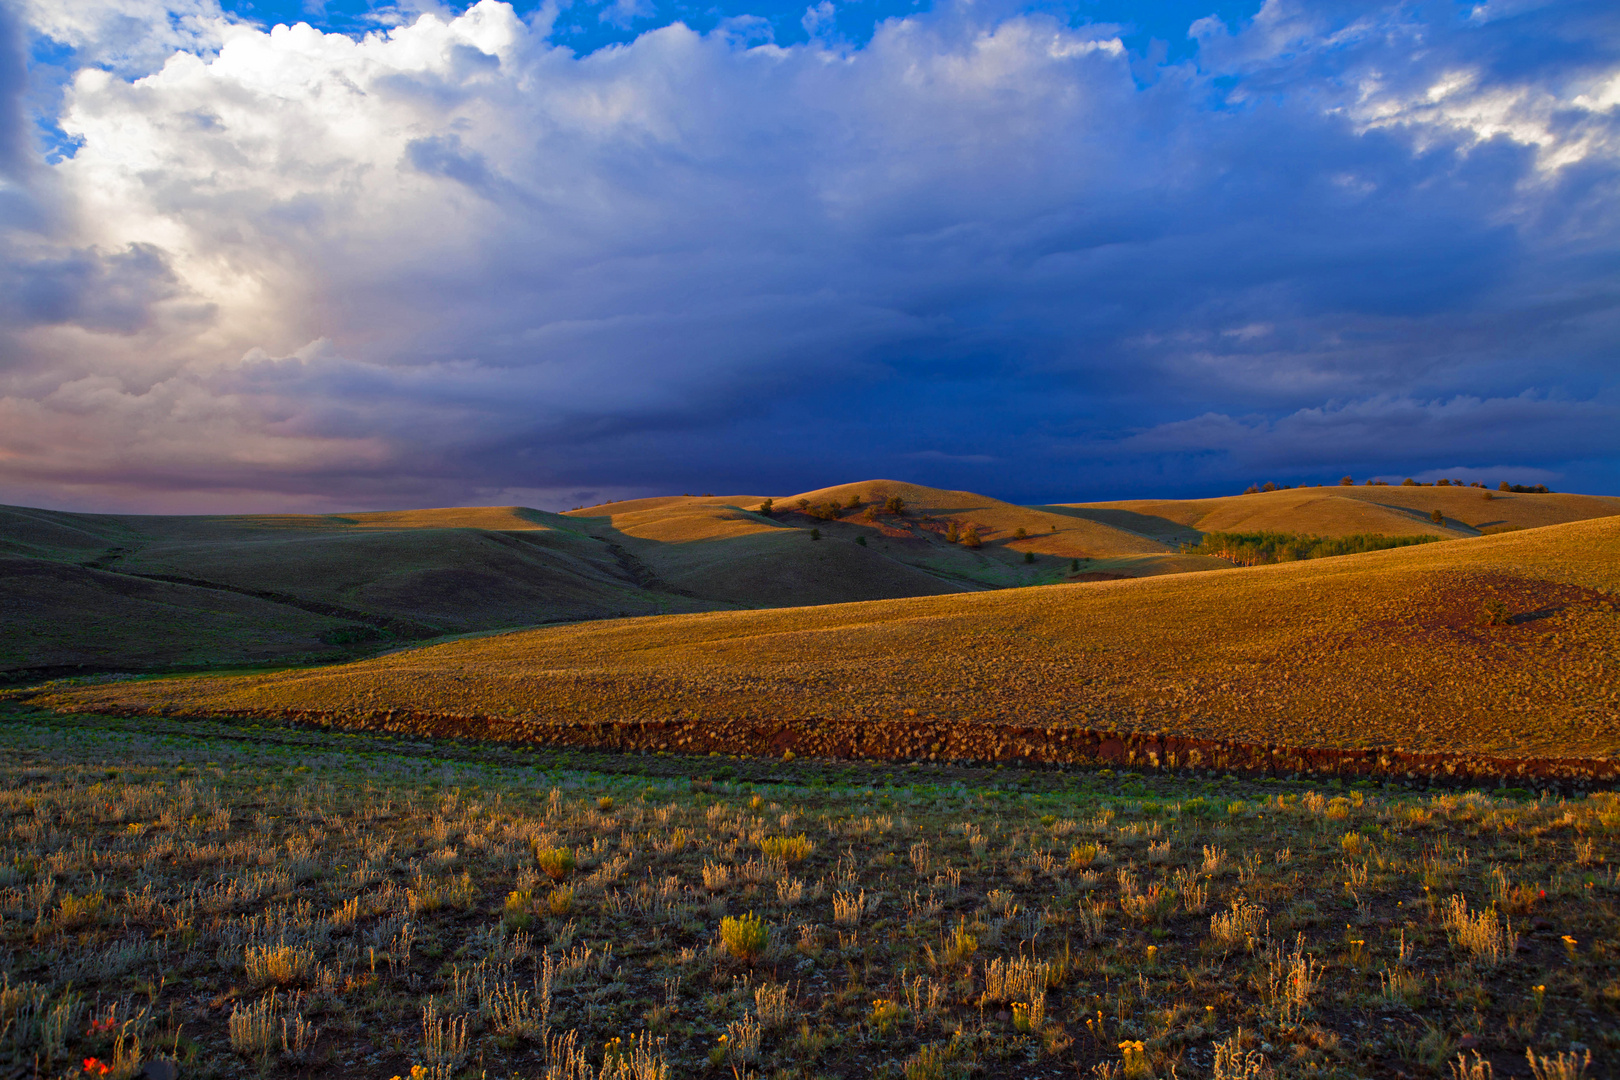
pixel 1382 650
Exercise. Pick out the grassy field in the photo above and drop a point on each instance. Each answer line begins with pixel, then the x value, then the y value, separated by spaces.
pixel 100 592
pixel 260 900
pixel 1346 511
pixel 1502 645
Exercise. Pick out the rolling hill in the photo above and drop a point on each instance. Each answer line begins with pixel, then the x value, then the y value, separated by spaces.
pixel 1390 649
pixel 1344 511
pixel 136 593
pixel 673 536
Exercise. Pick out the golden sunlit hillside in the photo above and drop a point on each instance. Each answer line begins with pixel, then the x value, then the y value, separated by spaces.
pixel 1505 645
pixel 1017 545
pixel 1348 510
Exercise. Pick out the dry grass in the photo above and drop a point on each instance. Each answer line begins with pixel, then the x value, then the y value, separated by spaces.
pixel 1385 650
pixel 966 942
pixel 1346 511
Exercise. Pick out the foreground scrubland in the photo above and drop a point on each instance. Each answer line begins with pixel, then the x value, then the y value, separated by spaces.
pixel 279 902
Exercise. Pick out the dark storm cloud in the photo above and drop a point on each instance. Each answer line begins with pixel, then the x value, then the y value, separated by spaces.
pixel 980 249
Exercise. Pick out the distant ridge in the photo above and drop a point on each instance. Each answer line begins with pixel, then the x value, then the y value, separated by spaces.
pixel 1347 510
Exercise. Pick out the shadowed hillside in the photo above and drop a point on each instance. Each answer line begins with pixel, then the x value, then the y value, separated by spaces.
pixel 1505 644
pixel 135 592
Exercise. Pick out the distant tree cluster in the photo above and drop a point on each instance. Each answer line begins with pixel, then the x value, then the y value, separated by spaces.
pixel 967 535
pixel 1261 548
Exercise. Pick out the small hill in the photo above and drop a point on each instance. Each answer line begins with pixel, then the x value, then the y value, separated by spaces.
pixel 1345 511
pixel 712 548
pixel 998 523
pixel 916 539
pixel 1392 649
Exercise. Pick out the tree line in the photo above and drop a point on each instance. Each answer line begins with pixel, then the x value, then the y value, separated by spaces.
pixel 1260 548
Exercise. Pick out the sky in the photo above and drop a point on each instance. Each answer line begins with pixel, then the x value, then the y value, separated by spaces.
pixel 262 255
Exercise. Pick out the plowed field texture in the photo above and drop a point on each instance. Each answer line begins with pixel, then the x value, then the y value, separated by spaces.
pixel 275 901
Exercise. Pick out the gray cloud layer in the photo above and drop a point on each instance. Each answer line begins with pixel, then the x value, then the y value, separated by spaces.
pixel 454 263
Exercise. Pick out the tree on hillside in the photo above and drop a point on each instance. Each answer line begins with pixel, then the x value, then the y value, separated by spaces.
pixel 815 534
pixel 970 537
pixel 1074 566
pixel 1346 482
pixel 952 532
pixel 1409 482
pixel 1251 490
pixel 1438 518
pixel 766 507
pixel 804 505
pixel 895 504
pixel 1503 486
pixel 1020 533
pixel 854 502
pixel 1029 556
pixel 861 540
pixel 1268 486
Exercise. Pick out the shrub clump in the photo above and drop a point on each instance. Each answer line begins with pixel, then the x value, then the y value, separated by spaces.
pixel 788 849
pixel 560 901
pixel 555 863
pixel 744 936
